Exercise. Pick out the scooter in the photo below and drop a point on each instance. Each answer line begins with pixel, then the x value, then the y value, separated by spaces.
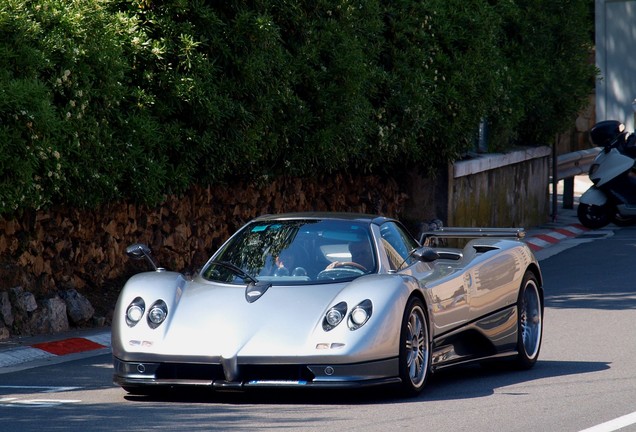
pixel 612 197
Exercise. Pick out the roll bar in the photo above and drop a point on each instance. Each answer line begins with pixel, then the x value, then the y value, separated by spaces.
pixel 461 232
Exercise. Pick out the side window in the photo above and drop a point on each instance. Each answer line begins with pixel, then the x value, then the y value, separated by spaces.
pixel 398 244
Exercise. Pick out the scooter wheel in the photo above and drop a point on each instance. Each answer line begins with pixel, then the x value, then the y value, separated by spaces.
pixel 592 216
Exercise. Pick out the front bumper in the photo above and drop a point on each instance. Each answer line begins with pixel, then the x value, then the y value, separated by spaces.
pixel 153 374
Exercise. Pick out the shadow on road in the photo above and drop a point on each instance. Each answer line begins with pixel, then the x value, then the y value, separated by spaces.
pixel 81 410
pixel 475 381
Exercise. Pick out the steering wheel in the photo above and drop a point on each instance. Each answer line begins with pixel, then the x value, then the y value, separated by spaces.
pixel 349 264
pixel 341 272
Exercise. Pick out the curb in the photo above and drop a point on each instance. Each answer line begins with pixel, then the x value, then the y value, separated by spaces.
pixel 57 348
pixel 541 241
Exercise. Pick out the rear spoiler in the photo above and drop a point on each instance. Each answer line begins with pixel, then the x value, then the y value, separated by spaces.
pixel 459 233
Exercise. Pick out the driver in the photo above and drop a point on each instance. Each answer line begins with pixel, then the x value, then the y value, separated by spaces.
pixel 284 262
pixel 361 257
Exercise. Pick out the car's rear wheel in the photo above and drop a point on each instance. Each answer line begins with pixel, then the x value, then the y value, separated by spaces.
pixel 529 322
pixel 415 356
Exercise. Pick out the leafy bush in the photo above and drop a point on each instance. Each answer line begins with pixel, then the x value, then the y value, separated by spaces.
pixel 547 47
pixel 443 71
pixel 63 133
pixel 131 99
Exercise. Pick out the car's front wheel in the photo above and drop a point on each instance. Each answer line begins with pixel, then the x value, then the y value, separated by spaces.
pixel 529 322
pixel 415 355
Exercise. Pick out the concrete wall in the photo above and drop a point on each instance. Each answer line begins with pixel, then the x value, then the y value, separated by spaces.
pixel 615 41
pixel 500 190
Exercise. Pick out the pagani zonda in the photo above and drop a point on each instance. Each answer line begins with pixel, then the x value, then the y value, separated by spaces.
pixel 331 301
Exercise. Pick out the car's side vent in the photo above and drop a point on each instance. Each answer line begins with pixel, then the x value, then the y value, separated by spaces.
pixel 484 248
pixel 449 255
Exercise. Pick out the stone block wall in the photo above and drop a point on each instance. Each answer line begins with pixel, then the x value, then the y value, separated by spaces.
pixel 46 254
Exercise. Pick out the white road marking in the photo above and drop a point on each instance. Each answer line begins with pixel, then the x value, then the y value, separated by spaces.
pixel 31 403
pixel 41 389
pixel 614 425
pixel 36 403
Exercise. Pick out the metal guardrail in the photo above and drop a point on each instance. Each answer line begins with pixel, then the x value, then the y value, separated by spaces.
pixel 568 166
pixel 576 163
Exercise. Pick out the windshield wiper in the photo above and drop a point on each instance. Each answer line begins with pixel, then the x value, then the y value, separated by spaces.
pixel 236 270
pixel 254 289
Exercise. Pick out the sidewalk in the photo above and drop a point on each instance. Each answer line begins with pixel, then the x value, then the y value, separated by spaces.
pixel 53 348
pixel 565 224
pixel 49 349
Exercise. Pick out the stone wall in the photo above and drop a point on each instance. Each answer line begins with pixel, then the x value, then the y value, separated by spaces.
pixel 49 257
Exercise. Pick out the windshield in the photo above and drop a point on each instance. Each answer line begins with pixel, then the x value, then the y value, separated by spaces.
pixel 295 252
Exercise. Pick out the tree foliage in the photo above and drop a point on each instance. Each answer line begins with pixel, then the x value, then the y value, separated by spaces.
pixel 131 99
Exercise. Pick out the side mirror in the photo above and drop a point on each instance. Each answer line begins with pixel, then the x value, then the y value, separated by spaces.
pixel 426 254
pixel 139 251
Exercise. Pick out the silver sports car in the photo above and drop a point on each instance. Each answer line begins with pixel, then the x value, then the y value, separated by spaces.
pixel 330 300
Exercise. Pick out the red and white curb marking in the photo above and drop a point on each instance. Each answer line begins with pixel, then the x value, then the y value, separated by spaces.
pixel 542 241
pixel 45 350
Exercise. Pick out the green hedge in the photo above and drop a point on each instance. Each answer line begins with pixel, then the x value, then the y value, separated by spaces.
pixel 103 100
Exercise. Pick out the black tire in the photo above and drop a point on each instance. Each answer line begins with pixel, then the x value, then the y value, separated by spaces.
pixel 415 353
pixel 593 217
pixel 529 322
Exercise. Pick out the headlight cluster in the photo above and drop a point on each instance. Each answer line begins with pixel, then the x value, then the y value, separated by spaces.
pixel 356 318
pixel 157 313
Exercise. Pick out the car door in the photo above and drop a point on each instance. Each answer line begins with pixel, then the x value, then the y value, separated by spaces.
pixel 445 287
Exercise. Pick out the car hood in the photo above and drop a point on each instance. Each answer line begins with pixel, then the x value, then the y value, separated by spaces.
pixel 216 321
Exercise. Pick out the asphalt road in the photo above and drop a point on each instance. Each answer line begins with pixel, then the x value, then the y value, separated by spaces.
pixel 585 378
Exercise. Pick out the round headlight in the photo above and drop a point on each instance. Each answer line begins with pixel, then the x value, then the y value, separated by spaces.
pixel 334 317
pixel 135 311
pixel 359 316
pixel 157 313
